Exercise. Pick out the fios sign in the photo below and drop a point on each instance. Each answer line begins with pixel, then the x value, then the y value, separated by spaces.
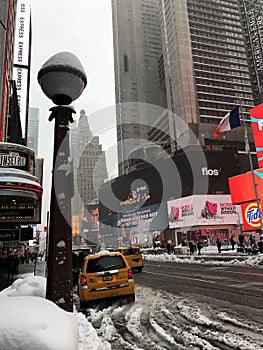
pixel 251 217
pixel 211 172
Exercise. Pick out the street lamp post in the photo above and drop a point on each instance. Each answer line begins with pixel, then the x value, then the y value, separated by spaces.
pixel 62 79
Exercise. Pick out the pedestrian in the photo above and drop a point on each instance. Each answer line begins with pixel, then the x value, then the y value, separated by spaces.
pixel 191 247
pixel 168 248
pixel 260 245
pixel 232 242
pixel 199 247
pixel 251 240
pixel 241 239
pixel 12 264
pixel 218 244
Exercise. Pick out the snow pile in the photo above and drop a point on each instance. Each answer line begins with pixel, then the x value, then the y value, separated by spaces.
pixel 253 260
pixel 29 321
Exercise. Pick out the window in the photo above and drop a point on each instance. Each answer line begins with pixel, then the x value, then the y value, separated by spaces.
pixel 103 263
pixel 125 61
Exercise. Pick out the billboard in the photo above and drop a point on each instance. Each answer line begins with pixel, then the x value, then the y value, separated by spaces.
pixel 22 59
pixel 200 210
pixel 257 127
pixel 246 183
pixel 90 218
pixel 151 218
pixel 188 174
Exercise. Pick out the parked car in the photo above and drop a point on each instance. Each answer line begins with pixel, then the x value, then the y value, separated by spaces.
pixel 134 257
pixel 105 275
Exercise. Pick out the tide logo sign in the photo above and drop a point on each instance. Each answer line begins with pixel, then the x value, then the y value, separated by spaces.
pixel 251 215
pixel 211 172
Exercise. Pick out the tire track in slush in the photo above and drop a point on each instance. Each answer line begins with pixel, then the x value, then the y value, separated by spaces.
pixel 162 321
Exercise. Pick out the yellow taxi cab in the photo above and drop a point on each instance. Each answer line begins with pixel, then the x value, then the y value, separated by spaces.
pixel 105 275
pixel 134 257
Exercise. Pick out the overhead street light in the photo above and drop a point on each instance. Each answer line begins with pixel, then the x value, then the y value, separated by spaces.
pixel 62 79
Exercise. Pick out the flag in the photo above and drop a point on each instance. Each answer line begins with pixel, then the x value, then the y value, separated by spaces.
pixel 230 121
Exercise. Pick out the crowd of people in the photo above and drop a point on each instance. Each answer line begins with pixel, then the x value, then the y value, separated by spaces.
pixel 243 245
pixel 11 260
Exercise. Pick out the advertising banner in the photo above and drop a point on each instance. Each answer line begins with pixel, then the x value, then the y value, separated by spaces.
pixel 250 215
pixel 22 59
pixel 201 210
pixel 151 218
pixel 90 217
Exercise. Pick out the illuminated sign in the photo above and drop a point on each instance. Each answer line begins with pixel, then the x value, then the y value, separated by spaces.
pixel 242 187
pixel 257 127
pixel 21 59
pixel 251 217
pixel 154 217
pixel 12 160
pixel 15 208
pixel 201 210
pixel 211 172
pixel 17 156
pixel 137 197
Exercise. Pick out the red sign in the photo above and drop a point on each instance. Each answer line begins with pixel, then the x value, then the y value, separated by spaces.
pixel 242 188
pixel 257 127
pixel 251 218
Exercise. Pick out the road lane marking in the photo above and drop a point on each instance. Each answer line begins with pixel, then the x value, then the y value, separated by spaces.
pixel 182 277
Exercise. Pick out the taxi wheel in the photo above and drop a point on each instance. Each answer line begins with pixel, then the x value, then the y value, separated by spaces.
pixel 83 304
pixel 131 298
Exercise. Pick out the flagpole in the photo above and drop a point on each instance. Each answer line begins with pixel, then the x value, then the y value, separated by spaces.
pixel 247 148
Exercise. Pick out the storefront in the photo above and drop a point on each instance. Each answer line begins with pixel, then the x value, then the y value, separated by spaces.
pixel 207 216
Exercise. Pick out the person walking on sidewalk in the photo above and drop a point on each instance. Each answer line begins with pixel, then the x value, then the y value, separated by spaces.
pixel 12 264
pixel 218 244
pixel 199 247
pixel 192 248
pixel 232 242
pixel 260 245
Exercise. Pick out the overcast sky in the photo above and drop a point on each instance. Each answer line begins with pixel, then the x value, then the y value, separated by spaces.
pixel 84 28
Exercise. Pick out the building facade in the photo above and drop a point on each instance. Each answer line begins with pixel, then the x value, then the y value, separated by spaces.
pixel 89 171
pixel 139 76
pixel 205 66
pixel 210 62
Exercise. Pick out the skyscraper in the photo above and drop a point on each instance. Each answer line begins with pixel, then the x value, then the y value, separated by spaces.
pixel 205 62
pixel 138 78
pixel 89 166
pixel 32 129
